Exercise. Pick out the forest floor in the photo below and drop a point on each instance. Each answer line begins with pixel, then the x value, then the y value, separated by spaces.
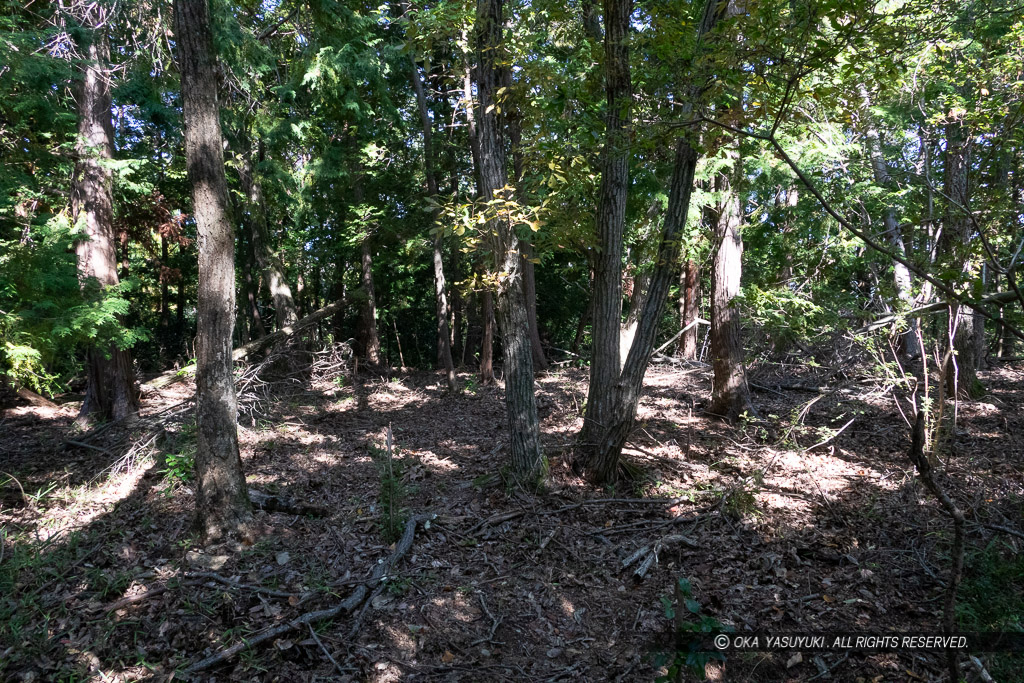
pixel 101 577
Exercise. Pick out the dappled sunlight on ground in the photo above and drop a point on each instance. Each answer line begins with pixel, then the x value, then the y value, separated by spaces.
pixel 504 584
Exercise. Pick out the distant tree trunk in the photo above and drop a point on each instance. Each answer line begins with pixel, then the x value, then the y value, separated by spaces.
pixel 956 236
pixel 592 21
pixel 729 394
pixel 165 304
pixel 520 402
pixel 444 347
pixel 474 329
pixel 285 310
pixel 611 216
pixel 458 345
pixel 252 292
pixel 338 293
pixel 110 392
pixel 637 293
pixel 689 302
pixel 901 274
pixel 369 339
pixel 222 501
pixel 515 134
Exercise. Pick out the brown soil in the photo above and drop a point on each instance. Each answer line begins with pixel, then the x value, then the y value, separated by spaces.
pixel 778 538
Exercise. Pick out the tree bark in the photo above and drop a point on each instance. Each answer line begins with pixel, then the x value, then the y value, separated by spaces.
pixel 252 292
pixel 110 392
pixel 957 235
pixel 689 303
pixel 444 346
pixel 285 310
pixel 524 428
pixel 610 223
pixel 901 274
pixel 368 336
pixel 729 394
pixel 222 501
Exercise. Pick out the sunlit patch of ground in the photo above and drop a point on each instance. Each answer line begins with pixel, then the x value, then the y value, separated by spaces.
pixel 505 584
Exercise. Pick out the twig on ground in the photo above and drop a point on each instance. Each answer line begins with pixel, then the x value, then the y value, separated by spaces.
pixel 826 672
pixel 495 622
pixel 348 605
pixel 319 642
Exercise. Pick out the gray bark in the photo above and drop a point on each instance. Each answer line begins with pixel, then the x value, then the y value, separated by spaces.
pixel 444 346
pixel 524 428
pixel 610 223
pixel 222 501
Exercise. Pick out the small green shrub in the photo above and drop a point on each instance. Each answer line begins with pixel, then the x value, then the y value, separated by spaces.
pixel 690 630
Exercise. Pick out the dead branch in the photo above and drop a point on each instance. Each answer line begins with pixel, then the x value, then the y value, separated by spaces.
pixel 380 572
pixel 282 504
pixel 252 348
pixel 924 470
pixel 648 555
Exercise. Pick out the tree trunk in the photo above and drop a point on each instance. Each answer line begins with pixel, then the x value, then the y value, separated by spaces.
pixel 222 501
pixel 285 311
pixel 689 303
pixel 520 403
pixel 729 395
pixel 901 274
pixel 252 292
pixel 369 341
pixel 957 235
pixel 444 346
pixel 110 392
pixel 611 217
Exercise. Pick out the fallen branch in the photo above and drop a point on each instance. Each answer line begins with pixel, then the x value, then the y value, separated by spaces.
pixel 380 572
pixel 920 311
pixel 649 554
pixel 196 579
pixel 252 348
pixel 269 503
pixel 678 334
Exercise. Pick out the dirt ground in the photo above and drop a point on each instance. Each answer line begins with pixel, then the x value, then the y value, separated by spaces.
pixel 102 579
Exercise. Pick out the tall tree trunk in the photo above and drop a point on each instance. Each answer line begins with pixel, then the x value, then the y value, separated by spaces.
pixel 729 395
pixel 110 385
pixel 222 501
pixel 901 274
pixel 444 346
pixel 487 337
pixel 611 218
pixel 369 339
pixel 515 135
pixel 252 292
pixel 602 466
pixel 520 402
pixel 689 303
pixel 285 310
pixel 956 236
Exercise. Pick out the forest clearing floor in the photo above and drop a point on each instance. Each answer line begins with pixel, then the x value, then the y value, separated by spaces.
pixel 507 585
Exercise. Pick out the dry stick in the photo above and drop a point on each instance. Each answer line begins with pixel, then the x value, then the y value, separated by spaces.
pixel 924 470
pixel 196 579
pixel 320 643
pixel 349 604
